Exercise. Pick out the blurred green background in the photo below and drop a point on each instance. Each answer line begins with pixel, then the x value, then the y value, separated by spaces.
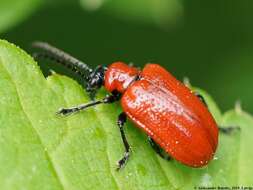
pixel 210 42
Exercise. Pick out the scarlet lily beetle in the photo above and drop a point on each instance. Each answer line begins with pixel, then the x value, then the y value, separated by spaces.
pixel 175 119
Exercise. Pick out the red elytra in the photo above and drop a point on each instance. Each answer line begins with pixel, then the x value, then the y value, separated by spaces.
pixel 166 110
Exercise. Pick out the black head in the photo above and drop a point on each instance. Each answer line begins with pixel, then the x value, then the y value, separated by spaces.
pixel 96 78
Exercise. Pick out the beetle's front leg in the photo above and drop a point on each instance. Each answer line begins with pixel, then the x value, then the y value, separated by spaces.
pixel 108 99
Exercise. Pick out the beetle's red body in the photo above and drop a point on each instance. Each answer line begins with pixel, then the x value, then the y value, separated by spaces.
pixel 166 110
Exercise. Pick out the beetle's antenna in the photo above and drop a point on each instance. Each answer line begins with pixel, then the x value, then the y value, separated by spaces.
pixel 62 57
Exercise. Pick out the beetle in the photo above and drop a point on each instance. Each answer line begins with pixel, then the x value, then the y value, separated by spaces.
pixel 175 119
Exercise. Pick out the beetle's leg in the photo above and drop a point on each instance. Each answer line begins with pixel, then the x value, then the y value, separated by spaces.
pixel 228 130
pixel 108 99
pixel 225 130
pixel 202 99
pixel 158 149
pixel 121 121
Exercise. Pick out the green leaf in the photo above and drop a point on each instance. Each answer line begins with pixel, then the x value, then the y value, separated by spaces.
pixel 39 150
pixel 14 11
